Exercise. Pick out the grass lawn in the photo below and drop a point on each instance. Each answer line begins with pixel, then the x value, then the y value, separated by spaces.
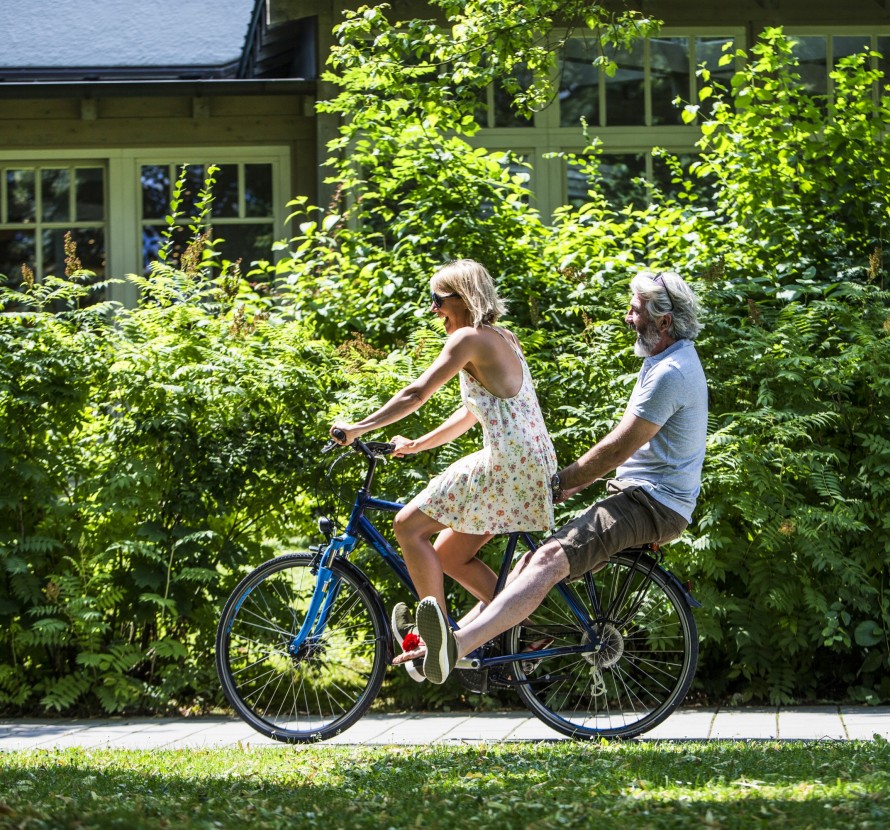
pixel 727 784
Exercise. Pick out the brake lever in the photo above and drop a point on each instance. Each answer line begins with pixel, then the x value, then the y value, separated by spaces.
pixel 331 443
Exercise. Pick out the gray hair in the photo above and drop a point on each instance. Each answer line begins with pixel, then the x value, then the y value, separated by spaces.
pixel 667 293
pixel 472 282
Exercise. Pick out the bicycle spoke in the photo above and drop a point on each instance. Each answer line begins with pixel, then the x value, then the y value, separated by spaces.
pixel 300 690
pixel 641 657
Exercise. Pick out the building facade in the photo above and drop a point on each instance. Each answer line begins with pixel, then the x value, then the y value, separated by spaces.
pixel 94 148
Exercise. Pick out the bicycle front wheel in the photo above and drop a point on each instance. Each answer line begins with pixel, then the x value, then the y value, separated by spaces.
pixel 643 668
pixel 324 686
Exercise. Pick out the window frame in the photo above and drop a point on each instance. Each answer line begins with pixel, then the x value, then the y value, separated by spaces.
pixel 123 193
pixel 52 161
pixel 546 136
pixel 829 33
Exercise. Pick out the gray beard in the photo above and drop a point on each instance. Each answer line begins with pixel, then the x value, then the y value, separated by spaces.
pixel 647 340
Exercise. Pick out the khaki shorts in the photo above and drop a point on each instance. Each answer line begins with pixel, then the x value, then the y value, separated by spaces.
pixel 626 518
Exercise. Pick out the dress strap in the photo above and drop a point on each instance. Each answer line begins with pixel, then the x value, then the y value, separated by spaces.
pixel 511 340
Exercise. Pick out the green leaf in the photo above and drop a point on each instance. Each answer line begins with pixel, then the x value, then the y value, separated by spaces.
pixel 868 633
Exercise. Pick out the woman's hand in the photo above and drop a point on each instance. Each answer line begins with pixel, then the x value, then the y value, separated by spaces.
pixel 349 429
pixel 404 446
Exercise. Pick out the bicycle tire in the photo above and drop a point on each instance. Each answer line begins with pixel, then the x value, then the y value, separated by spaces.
pixel 330 683
pixel 642 672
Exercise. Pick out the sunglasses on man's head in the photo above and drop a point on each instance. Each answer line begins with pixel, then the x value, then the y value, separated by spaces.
pixel 439 298
pixel 659 280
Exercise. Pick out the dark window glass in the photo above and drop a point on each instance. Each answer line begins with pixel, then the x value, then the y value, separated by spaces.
pixel 579 83
pixel 812 53
pixel 192 186
pixel 155 180
pixel 89 246
pixel 21 202
pixel 225 191
pixel 90 193
pixel 616 180
pixel 258 189
pixel 504 114
pixel 670 78
pixel 55 188
pixel 153 239
pixel 246 243
pixel 626 89
pixel 16 249
pixel 234 242
pixel 841 47
pixel 708 51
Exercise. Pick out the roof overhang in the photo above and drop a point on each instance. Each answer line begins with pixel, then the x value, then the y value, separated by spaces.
pixel 145 89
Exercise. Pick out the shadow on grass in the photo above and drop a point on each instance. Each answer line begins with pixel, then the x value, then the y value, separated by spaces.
pixel 733 785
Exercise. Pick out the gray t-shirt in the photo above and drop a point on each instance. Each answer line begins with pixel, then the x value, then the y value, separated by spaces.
pixel 670 391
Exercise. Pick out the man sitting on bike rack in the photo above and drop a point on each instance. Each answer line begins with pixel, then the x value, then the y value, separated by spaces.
pixel 657 451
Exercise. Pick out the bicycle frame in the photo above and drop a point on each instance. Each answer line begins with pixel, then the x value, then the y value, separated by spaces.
pixel 359 527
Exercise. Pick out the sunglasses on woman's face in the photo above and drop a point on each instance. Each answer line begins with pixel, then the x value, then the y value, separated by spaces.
pixel 439 298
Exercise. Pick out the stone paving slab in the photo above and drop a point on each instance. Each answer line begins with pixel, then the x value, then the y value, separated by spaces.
pixel 421 729
pixel 863 724
pixel 819 722
pixel 747 723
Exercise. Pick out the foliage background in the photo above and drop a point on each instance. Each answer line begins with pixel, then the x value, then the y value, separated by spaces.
pixel 151 456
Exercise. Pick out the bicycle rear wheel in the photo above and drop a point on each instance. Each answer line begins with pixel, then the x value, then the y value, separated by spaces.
pixel 643 669
pixel 329 683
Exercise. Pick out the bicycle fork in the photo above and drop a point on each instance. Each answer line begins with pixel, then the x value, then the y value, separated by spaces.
pixel 324 595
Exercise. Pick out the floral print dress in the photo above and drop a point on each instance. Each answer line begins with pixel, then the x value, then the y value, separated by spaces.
pixel 505 486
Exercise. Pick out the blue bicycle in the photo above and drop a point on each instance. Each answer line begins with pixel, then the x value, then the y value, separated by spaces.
pixel 304 640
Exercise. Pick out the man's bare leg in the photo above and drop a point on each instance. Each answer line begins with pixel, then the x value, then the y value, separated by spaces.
pixel 529 582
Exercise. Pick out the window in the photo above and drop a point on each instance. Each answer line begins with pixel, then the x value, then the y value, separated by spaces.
pixel 115 203
pixel 648 78
pixel 819 53
pixel 39 204
pixel 495 108
pixel 622 178
pixel 242 210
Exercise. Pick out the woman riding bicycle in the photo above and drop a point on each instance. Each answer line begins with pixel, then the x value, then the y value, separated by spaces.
pixel 502 488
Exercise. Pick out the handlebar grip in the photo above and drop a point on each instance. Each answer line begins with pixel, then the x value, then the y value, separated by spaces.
pixel 331 443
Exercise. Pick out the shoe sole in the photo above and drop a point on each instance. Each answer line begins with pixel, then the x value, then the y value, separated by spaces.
pixel 433 630
pixel 413 672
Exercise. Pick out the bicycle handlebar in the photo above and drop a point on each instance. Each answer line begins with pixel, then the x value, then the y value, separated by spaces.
pixel 371 449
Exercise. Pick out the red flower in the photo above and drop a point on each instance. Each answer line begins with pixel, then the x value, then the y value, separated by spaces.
pixel 411 642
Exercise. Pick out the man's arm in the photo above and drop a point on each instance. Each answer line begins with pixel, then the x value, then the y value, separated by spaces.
pixel 611 452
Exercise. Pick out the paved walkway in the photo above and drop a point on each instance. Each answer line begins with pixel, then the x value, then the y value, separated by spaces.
pixel 842 723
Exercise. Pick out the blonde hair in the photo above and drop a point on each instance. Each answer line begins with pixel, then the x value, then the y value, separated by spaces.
pixel 472 282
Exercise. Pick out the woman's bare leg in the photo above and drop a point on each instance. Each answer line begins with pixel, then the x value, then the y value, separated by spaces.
pixel 457 553
pixel 413 529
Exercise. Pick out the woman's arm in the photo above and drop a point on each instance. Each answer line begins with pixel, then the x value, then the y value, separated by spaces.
pixel 458 350
pixel 448 430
